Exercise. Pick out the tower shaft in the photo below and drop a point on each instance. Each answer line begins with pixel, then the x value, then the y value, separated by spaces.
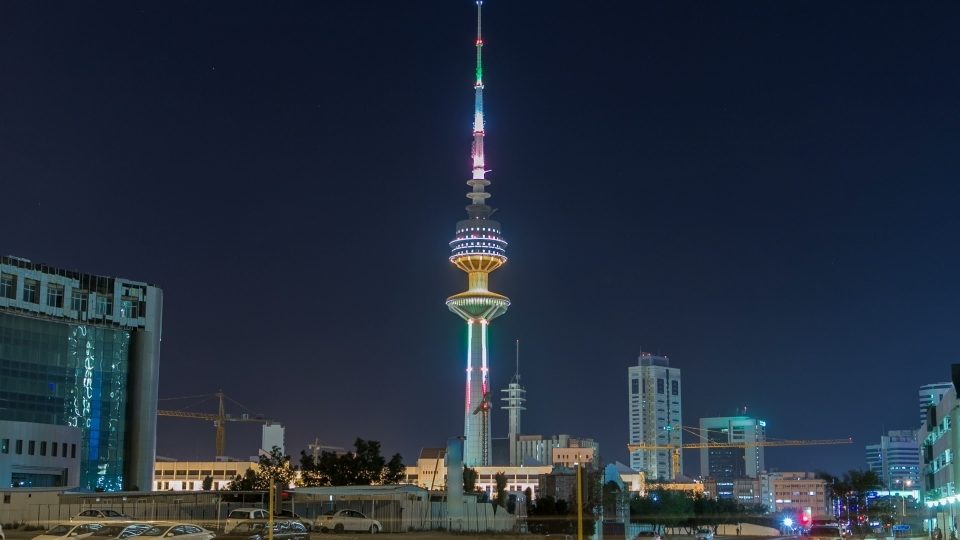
pixel 478 249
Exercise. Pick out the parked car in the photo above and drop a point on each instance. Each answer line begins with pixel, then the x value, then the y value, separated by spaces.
pixel 289 515
pixel 257 530
pixel 183 531
pixel 235 517
pixel 825 533
pixel 648 535
pixel 119 531
pixel 99 515
pixel 704 534
pixel 72 531
pixel 2 537
pixel 348 520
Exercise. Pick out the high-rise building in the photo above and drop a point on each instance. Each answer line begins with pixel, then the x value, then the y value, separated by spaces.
pixel 79 368
pixel 731 463
pixel 654 393
pixel 896 459
pixel 930 396
pixel 478 248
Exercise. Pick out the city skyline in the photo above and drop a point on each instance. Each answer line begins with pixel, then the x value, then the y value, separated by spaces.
pixel 762 192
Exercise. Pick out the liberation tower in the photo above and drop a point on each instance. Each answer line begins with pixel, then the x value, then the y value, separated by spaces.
pixel 478 249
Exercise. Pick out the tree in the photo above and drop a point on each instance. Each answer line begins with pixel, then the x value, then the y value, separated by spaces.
pixel 362 467
pixel 469 479
pixel 274 467
pixel 207 483
pixel 501 496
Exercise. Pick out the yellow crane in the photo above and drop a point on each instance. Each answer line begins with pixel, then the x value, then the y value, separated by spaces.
pixel 219 420
pixel 675 449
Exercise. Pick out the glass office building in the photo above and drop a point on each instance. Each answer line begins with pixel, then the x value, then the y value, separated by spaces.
pixel 83 351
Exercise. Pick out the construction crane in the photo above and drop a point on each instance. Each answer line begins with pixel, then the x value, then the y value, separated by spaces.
pixel 675 449
pixel 219 420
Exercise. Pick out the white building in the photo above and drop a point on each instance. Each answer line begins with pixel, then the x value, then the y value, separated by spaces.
pixel 896 460
pixel 430 472
pixel 540 450
pixel 654 395
pixel 171 475
pixel 732 463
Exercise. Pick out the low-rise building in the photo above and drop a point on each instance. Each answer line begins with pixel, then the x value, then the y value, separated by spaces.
pixel 172 475
pixel 795 490
pixel 430 472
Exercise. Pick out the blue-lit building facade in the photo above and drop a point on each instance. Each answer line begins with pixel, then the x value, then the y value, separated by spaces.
pixel 79 371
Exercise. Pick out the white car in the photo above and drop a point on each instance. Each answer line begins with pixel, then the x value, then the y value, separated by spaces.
pixel 119 531
pixel 72 531
pixel 348 520
pixel 704 534
pixel 98 516
pixel 183 531
pixel 235 517
pixel 2 537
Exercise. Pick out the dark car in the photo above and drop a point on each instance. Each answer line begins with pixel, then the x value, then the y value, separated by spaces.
pixel 257 530
pixel 289 515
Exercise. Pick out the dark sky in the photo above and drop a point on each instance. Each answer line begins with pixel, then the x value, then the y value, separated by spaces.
pixel 765 191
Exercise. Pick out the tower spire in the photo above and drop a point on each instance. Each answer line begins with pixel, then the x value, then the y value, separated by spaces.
pixel 478 208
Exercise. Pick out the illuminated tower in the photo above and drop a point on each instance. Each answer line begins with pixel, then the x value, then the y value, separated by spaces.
pixel 478 249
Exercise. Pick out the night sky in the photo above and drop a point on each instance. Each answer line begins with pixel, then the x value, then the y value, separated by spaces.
pixel 764 191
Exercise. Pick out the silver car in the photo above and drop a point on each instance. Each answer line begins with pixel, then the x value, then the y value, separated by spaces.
pixel 183 531
pixel 71 531
pixel 98 515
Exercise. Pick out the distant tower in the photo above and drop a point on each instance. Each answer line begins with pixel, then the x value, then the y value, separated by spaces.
pixel 478 249
pixel 655 394
pixel 515 400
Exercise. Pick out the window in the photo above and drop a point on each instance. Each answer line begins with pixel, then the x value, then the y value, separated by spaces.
pixel 8 286
pixel 78 300
pixel 31 291
pixel 4 446
pixel 19 446
pixel 73 450
pixel 54 295
pixel 659 386
pixel 43 448
pixel 674 387
pixel 53 449
pixel 32 448
pixel 634 386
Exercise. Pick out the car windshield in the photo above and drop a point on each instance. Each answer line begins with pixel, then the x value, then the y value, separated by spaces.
pixel 60 530
pixel 154 531
pixel 133 530
pixel 239 514
pixel 112 513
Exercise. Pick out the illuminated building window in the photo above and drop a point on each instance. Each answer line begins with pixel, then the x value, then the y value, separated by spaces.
pixel 4 446
pixel 55 295
pixel 31 291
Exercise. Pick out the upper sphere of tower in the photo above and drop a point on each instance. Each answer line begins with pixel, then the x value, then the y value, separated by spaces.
pixel 478 246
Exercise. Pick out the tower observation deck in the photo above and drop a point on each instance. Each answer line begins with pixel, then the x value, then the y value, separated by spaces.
pixel 478 248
